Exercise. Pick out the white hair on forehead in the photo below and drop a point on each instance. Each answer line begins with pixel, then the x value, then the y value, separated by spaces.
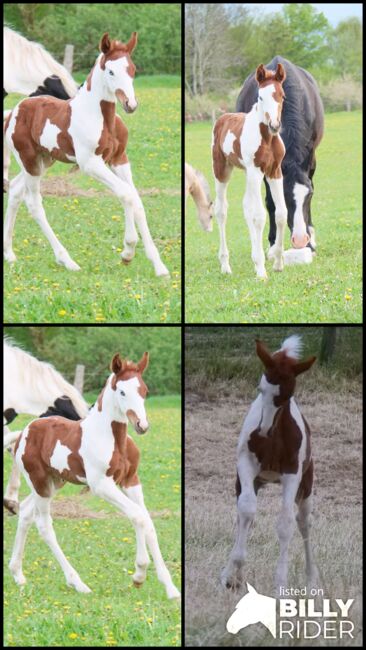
pixel 293 346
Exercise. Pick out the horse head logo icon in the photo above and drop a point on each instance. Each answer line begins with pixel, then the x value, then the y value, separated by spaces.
pixel 253 608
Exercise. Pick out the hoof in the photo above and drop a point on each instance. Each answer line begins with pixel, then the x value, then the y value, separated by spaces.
pixel 126 262
pixel 12 506
pixel 137 584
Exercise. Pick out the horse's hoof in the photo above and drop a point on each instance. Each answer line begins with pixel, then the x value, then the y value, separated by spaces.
pixel 12 506
pixel 126 261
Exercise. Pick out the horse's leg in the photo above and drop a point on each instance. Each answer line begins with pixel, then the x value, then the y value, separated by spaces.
pixel 221 206
pixel 34 204
pixel 46 530
pixel 107 490
pixel 231 576
pixel 271 212
pixel 26 517
pixel 255 215
pixel 285 526
pixel 135 494
pixel 276 186
pixel 311 228
pixel 303 519
pixel 12 489
pixel 138 215
pixel 16 195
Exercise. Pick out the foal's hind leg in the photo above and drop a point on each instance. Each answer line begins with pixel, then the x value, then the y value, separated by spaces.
pixel 303 519
pixel 16 194
pixel 34 204
pixel 26 517
pixel 123 171
pixel 221 206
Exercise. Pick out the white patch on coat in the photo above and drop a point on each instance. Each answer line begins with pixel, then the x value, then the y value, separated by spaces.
pixel 48 137
pixel 228 144
pixel 250 138
pixel 269 410
pixel 295 412
pixel 293 346
pixel 59 457
pixel 300 192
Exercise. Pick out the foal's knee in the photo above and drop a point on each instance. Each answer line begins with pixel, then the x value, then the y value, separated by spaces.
pixel 247 504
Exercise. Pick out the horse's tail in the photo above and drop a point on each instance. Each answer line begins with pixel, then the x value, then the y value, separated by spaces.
pixel 10 437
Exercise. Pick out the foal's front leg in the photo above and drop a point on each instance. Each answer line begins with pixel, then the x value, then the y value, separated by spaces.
pixel 221 216
pixel 138 214
pixel 135 493
pixel 276 187
pixel 255 215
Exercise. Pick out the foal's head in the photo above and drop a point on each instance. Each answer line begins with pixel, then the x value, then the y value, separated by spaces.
pixel 130 390
pixel 270 96
pixel 119 71
pixel 277 384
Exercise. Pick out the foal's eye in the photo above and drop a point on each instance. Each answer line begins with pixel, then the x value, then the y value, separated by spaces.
pixel 111 73
pixel 123 393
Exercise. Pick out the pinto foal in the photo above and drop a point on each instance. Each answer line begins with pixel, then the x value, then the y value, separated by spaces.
pixel 85 130
pixel 274 446
pixel 95 451
pixel 252 141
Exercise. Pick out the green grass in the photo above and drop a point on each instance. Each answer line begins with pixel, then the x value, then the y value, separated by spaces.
pixel 45 612
pixel 328 290
pixel 36 289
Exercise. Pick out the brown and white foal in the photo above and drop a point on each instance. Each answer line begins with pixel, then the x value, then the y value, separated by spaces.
pixel 95 451
pixel 252 141
pixel 87 130
pixel 274 446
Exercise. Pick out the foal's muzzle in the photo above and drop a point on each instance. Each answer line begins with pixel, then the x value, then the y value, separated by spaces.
pixel 129 105
pixel 140 426
pixel 274 129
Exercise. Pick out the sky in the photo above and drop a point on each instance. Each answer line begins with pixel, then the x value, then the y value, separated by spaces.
pixel 334 12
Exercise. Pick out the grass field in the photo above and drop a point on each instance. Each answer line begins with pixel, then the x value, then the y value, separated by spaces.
pixel 328 290
pixel 214 416
pixel 101 545
pixel 89 221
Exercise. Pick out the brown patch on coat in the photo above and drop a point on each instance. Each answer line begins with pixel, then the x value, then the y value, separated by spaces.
pixel 42 438
pixel 113 139
pixel 100 397
pixel 278 451
pixel 223 163
pixel 125 458
pixel 270 153
pixel 30 123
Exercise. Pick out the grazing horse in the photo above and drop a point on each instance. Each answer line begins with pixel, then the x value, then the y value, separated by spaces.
pixel 302 130
pixel 274 446
pixel 197 186
pixel 252 142
pixel 36 388
pixel 85 130
pixel 98 452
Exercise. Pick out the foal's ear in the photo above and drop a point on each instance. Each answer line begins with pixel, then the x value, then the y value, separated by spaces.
pixel 144 362
pixel 105 43
pixel 301 366
pixel 117 364
pixel 264 355
pixel 130 46
pixel 280 73
pixel 260 74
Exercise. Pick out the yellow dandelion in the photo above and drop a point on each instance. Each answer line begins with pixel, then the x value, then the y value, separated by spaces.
pixel 62 312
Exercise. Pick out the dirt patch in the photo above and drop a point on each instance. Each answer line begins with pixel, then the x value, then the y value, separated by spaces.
pixel 74 508
pixel 61 186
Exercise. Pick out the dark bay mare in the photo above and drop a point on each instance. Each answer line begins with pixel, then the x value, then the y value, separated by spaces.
pixel 301 132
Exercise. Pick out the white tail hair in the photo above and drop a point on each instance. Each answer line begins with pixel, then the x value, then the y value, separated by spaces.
pixel 28 64
pixel 293 346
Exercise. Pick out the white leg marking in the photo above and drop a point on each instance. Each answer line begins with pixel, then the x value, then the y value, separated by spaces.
pixel 276 187
pixel 26 517
pixel 34 204
pixel 303 519
pixel 255 215
pixel 135 493
pixel 299 235
pixel 285 525
pixel 46 530
pixel 16 195
pixel 221 206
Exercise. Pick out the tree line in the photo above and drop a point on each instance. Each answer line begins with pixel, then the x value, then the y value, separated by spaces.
pixel 82 24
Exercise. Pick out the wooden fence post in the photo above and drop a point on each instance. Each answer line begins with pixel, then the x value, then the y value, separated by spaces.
pixel 69 57
pixel 79 378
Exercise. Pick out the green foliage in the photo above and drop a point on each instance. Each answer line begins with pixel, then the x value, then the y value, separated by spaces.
pixel 45 612
pixel 327 291
pixel 94 347
pixel 89 221
pixel 83 24
pixel 228 353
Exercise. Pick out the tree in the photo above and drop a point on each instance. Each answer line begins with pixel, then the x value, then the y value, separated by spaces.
pixel 328 344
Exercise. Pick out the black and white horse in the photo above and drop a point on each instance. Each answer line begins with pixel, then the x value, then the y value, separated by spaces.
pixel 302 130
